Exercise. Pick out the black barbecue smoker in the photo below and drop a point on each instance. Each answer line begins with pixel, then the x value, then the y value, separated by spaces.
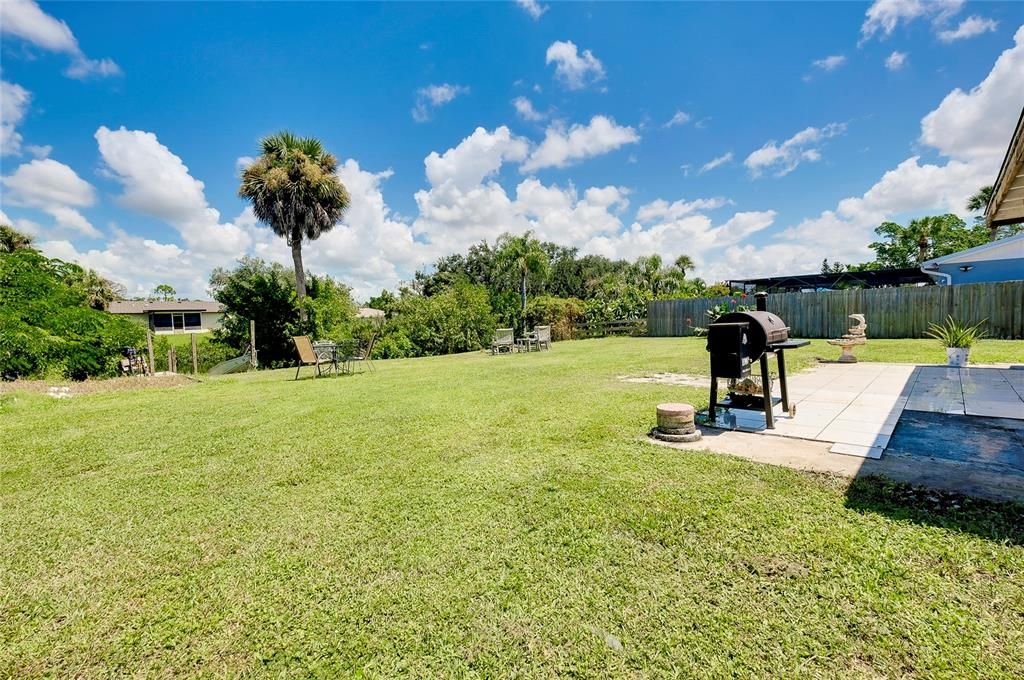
pixel 738 340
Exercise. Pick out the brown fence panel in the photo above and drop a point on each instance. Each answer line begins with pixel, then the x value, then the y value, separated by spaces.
pixel 890 312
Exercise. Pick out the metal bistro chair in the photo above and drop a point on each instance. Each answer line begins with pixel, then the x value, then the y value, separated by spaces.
pixel 504 341
pixel 364 351
pixel 310 357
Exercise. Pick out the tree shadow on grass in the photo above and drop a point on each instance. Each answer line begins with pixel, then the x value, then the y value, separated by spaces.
pixel 993 520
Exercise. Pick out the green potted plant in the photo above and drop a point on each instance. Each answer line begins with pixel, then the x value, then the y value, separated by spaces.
pixel 957 338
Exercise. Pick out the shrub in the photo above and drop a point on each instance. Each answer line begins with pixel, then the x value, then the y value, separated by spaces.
pixel 458 319
pixel 562 314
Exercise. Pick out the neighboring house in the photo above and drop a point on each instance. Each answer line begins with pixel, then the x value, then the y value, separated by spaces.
pixel 1001 260
pixel 174 316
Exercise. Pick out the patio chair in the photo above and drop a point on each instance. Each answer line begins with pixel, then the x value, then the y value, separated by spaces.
pixel 308 356
pixel 504 341
pixel 364 351
pixel 542 337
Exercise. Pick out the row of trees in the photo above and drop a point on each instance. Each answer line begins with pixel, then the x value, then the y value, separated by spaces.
pixel 517 268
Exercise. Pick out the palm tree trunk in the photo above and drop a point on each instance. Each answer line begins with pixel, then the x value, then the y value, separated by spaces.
pixel 523 291
pixel 300 275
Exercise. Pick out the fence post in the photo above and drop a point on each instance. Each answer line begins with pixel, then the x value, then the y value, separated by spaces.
pixel 149 344
pixel 252 343
pixel 195 357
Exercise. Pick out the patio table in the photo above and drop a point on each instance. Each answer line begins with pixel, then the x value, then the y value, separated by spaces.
pixel 337 353
pixel 527 340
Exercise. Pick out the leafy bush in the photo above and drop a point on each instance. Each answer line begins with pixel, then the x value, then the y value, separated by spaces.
pixel 457 319
pixel 47 327
pixel 616 300
pixel 562 314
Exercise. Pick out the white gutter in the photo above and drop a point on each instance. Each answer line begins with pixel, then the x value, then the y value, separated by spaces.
pixel 936 272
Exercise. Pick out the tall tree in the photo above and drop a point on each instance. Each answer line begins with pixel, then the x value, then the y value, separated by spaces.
pixel 11 239
pixel 164 291
pixel 99 291
pixel 924 239
pixel 522 256
pixel 294 188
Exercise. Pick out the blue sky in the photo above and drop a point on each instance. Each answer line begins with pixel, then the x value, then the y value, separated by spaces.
pixel 756 137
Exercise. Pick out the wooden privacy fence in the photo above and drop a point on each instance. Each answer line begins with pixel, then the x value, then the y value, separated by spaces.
pixel 890 312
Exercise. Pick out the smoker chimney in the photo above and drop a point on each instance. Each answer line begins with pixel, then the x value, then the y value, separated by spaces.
pixel 761 301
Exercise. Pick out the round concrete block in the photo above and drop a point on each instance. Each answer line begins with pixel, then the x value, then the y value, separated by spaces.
pixel 676 438
pixel 676 419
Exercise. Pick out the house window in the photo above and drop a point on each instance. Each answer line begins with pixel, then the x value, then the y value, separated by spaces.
pixel 177 321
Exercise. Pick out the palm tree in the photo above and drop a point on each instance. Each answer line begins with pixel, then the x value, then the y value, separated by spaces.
pixel 522 256
pixel 921 231
pixel 980 199
pixel 99 291
pixel 647 273
pixel 684 262
pixel 294 189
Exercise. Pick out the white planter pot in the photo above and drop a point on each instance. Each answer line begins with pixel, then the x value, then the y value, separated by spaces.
pixel 957 356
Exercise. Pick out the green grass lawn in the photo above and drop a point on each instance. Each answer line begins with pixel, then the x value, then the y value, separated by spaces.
pixel 476 516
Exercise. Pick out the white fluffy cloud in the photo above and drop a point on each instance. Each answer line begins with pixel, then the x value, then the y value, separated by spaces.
pixel 976 125
pixel 560 215
pixel 695 235
pixel 54 188
pixel 476 157
pixel 562 147
pixel 524 107
pixel 138 263
pixel 533 8
pixel 896 60
pixel 24 19
pixel 43 182
pixel 716 162
pixel 157 183
pixel 830 63
pixel 970 27
pixel 883 16
pixel 14 101
pixel 573 69
pixel 785 157
pixel 661 209
pixel 433 97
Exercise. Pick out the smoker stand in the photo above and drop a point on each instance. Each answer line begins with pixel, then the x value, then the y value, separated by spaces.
pixel 778 349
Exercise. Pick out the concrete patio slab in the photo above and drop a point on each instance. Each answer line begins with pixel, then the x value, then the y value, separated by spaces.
pixel 859 405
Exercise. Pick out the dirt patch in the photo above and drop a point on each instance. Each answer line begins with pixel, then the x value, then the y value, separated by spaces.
pixel 669 379
pixel 134 382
